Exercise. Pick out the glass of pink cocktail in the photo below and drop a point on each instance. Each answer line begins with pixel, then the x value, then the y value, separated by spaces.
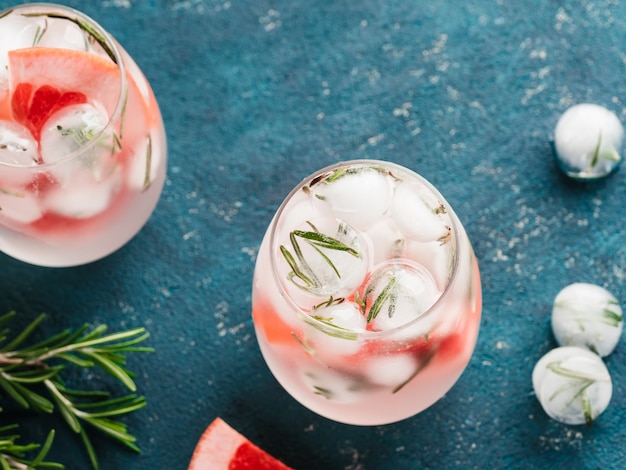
pixel 82 143
pixel 366 298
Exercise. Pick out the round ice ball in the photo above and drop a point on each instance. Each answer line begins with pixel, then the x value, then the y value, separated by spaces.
pixel 588 141
pixel 572 385
pixel 588 316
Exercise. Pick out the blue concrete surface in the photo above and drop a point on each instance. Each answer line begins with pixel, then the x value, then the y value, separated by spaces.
pixel 258 94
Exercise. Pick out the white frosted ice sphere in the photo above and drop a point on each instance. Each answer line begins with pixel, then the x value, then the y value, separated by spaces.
pixel 323 258
pixel 436 257
pixel 359 197
pixel 392 371
pixel 572 384
pixel 83 197
pixel 414 217
pixel 398 293
pixel 588 141
pixel 17 146
pixel 588 316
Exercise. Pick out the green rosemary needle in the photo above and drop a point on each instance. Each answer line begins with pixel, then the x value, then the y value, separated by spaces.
pixel 32 376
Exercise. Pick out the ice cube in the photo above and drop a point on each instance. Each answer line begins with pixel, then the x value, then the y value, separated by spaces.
pixel 324 258
pixel 397 293
pixel 335 330
pixel 18 150
pixel 436 257
pixel 22 207
pixel 588 316
pixel 572 385
pixel 17 32
pixel 391 371
pixel 360 198
pixel 145 163
pixel 415 218
pixel 84 196
pixel 64 34
pixel 334 385
pixel 76 128
pixel 387 242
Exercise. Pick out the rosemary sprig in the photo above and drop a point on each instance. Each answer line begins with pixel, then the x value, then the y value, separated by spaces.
pixel 14 455
pixel 32 377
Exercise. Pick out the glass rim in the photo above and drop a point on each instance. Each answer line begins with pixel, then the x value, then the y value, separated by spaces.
pixel 338 331
pixel 114 55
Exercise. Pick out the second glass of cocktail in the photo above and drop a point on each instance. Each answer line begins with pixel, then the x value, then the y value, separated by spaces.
pixel 366 295
pixel 82 142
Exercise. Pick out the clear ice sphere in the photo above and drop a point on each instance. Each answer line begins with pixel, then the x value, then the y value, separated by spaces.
pixel 359 198
pixel 83 197
pixel 572 385
pixel 588 316
pixel 588 141
pixel 398 293
pixel 322 258
pixel 21 207
pixel 414 217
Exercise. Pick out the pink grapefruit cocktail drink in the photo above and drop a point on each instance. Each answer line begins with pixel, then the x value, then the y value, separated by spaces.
pixel 366 296
pixel 82 143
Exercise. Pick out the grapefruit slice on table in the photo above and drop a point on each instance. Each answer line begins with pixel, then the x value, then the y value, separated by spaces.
pixel 223 448
pixel 44 80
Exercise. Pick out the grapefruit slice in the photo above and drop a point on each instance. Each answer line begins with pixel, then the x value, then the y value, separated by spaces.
pixel 43 80
pixel 223 448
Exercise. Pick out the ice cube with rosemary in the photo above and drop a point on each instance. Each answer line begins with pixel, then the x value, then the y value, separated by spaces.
pixel 366 293
pixel 82 143
pixel 589 316
pixel 572 385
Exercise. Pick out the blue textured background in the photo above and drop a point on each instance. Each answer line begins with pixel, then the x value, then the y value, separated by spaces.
pixel 258 94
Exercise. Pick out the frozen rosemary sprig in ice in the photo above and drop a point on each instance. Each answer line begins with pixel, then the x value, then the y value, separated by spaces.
pixel 302 273
pixel 32 376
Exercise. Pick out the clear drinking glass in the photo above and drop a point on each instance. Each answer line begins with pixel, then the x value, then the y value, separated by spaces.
pixel 366 295
pixel 82 143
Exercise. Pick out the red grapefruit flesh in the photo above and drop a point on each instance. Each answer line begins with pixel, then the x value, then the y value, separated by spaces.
pixel 223 448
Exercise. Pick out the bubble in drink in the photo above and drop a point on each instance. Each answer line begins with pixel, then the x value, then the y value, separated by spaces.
pixel 414 217
pixel 398 293
pixel 358 197
pixel 17 146
pixel 323 258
